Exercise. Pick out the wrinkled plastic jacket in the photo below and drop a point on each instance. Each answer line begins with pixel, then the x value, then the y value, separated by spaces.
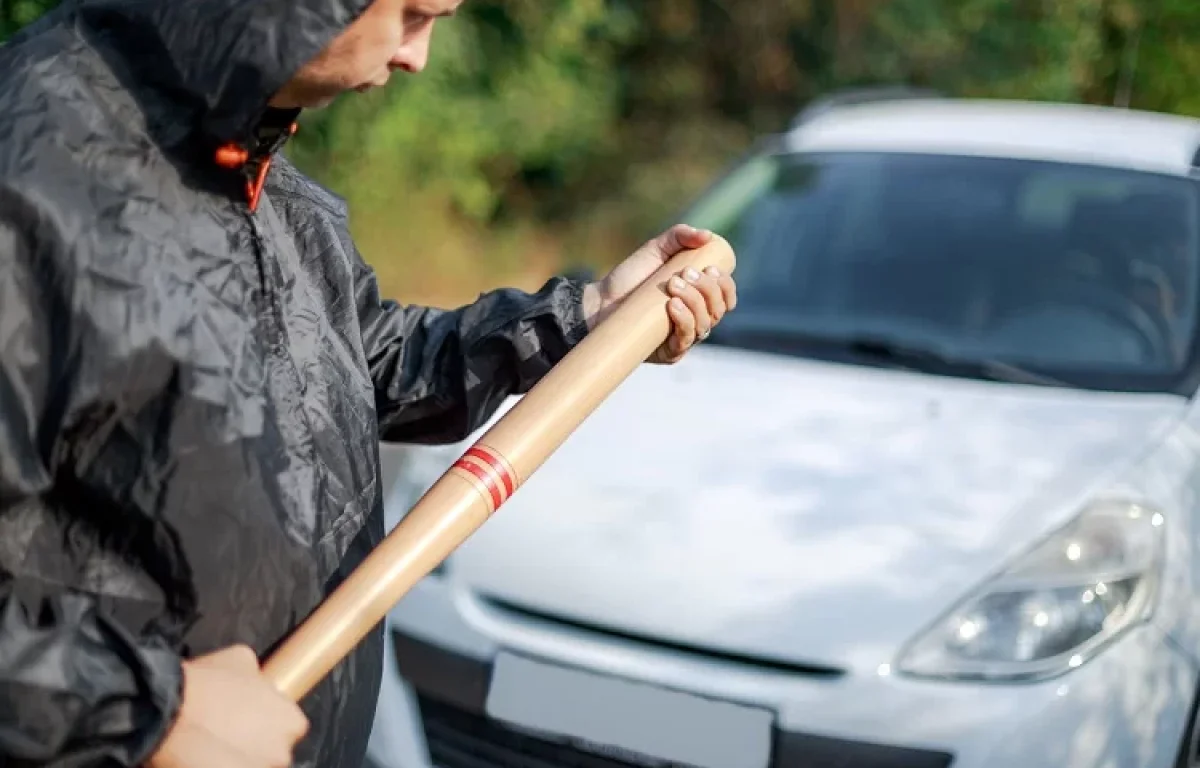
pixel 191 392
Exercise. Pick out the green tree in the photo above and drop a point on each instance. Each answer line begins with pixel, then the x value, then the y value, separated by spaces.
pixel 563 131
pixel 15 14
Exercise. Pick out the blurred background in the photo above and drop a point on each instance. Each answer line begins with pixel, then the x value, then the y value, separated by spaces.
pixel 552 134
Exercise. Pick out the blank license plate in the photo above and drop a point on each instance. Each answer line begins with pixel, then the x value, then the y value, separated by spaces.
pixel 634 722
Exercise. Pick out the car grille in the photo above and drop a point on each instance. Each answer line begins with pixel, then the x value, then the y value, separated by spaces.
pixel 458 739
pixel 452 692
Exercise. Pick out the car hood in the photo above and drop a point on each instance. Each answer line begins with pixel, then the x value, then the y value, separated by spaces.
pixel 795 511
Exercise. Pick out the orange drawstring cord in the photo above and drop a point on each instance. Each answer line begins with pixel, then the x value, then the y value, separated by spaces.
pixel 232 157
pixel 254 188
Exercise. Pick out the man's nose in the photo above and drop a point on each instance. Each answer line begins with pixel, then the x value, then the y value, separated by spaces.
pixel 412 56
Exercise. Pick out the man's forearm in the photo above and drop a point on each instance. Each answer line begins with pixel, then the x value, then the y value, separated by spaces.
pixel 439 374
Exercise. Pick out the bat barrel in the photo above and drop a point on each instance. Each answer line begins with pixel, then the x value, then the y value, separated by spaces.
pixel 486 476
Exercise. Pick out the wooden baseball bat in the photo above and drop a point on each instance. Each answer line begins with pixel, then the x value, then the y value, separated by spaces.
pixel 486 476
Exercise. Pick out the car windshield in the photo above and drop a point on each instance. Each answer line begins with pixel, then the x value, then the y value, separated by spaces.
pixel 996 268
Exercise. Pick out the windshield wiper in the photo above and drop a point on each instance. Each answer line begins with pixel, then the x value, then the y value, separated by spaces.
pixel 925 358
pixel 900 353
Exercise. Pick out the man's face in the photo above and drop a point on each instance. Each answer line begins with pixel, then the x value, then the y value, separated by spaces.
pixel 389 35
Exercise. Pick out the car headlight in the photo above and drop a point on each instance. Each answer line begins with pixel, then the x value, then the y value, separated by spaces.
pixel 1053 608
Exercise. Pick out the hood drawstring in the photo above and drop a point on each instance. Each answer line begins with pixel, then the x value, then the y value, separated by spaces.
pixel 255 165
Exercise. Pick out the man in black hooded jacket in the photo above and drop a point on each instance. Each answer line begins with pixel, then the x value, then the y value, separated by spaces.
pixel 196 367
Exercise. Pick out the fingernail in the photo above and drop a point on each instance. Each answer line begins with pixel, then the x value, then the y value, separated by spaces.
pixel 677 284
pixel 691 274
pixel 677 305
pixel 713 272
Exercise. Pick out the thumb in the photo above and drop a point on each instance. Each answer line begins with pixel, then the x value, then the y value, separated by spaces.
pixel 678 238
pixel 237 658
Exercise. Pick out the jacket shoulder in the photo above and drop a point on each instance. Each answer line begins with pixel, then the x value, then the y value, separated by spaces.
pixel 287 181
pixel 59 110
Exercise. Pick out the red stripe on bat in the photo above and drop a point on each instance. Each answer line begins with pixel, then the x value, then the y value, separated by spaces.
pixel 487 478
pixel 497 462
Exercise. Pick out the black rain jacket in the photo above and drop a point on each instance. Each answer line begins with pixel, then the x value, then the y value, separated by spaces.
pixel 191 391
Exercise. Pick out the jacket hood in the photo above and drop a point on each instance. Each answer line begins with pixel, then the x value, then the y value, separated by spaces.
pixel 224 59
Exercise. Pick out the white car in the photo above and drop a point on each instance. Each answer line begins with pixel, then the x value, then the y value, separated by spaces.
pixel 929 497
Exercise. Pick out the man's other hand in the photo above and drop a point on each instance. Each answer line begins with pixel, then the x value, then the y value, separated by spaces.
pixel 231 717
pixel 699 300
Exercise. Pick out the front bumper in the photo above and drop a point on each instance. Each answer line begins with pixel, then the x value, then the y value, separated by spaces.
pixel 1130 707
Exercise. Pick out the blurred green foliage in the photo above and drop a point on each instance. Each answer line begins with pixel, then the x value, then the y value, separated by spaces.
pixel 554 133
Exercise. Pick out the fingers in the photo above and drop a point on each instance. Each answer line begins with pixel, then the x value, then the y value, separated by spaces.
pixel 706 296
pixel 236 658
pixel 189 744
pixel 239 659
pixel 689 237
pixel 727 286
pixel 684 328
pixel 699 302
pixel 296 722
pixel 691 292
pixel 680 237
pixel 243 661
pixel 286 726
pixel 708 286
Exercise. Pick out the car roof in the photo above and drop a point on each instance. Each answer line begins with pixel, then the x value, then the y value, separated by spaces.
pixel 1073 133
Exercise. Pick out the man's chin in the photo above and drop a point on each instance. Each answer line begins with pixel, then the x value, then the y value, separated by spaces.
pixel 319 102
pixel 312 101
pixel 366 87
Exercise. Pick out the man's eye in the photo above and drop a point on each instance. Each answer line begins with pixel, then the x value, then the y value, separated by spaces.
pixel 415 20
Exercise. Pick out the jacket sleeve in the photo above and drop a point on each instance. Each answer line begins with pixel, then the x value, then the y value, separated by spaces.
pixel 75 687
pixel 441 374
